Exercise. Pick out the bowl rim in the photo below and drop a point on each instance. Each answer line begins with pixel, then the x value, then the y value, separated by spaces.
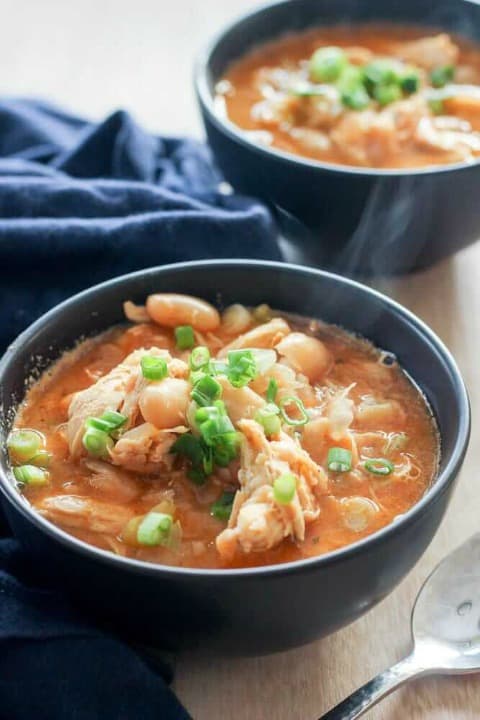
pixel 440 485
pixel 234 132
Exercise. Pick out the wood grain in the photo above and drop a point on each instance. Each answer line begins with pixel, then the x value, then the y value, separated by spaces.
pixel 95 57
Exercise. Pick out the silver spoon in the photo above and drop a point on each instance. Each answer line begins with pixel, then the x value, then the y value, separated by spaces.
pixel 445 627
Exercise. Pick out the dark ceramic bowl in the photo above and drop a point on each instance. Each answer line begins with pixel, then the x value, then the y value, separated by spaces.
pixel 249 610
pixel 352 220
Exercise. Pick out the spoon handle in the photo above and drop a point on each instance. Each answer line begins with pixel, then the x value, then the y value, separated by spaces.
pixel 365 697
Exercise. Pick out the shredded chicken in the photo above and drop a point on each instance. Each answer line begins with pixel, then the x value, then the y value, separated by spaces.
pixel 449 135
pixel 145 449
pixel 257 521
pixel 266 335
pixel 429 52
pixel 83 513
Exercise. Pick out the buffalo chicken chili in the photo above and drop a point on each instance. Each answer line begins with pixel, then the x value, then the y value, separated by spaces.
pixel 373 96
pixel 196 439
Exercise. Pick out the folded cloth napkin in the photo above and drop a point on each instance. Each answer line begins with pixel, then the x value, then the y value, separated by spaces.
pixel 80 203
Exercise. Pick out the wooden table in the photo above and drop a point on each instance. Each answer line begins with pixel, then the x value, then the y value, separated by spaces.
pixel 97 56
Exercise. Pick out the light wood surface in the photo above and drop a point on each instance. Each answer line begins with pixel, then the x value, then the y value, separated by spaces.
pixel 97 55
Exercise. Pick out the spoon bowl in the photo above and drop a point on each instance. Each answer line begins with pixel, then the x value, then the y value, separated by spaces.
pixel 445 628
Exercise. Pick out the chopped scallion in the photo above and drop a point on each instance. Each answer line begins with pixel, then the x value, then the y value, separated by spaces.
pixel 153 367
pixel 184 337
pixel 96 442
pixel 272 390
pixel 300 407
pixel 23 445
pixel 339 459
pixel 379 466
pixel 284 488
pixel 41 459
pixel 268 419
pixel 155 529
pixel 30 475
pixel 206 390
pixel 199 358
pixel 327 63
pixel 441 76
pixel 242 367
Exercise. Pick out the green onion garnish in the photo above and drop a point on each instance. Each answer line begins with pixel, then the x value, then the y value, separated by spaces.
pixel 206 390
pixel 339 460
pixel 222 508
pixel 441 76
pixel 284 488
pixel 268 419
pixel 41 459
pixel 292 400
pixel 154 368
pixel 184 337
pixel 327 63
pixel 197 476
pixel 155 529
pixel 379 466
pixel 108 422
pixel 96 442
pixel 242 367
pixel 410 81
pixel 199 358
pixel 381 72
pixel 191 448
pixel 23 445
pixel 436 106
pixel 30 475
pixel 272 390
pixel 386 94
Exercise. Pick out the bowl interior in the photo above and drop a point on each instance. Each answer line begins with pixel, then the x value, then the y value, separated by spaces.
pixel 288 288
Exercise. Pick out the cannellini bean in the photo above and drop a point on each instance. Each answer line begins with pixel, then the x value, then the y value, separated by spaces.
pixel 358 512
pixel 263 336
pixel 171 309
pixel 305 354
pixel 236 319
pixel 164 403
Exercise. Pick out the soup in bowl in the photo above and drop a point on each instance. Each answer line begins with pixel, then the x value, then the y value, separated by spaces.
pixel 199 466
pixel 356 123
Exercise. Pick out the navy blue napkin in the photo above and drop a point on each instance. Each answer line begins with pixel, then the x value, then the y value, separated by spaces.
pixel 80 203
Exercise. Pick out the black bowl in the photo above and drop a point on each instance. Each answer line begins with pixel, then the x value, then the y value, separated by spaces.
pixel 248 610
pixel 352 220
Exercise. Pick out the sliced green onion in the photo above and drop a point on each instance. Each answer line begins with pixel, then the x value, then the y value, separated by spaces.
pixel 222 508
pixel 355 98
pixel 206 390
pixel 268 419
pixel 97 443
pixel 284 488
pixel 153 367
pixel 155 529
pixel 272 390
pixel 108 422
pixel 339 460
pixel 242 367
pixel 199 358
pixel 30 475
pixel 379 466
pixel 23 445
pixel 292 400
pixel 381 72
pixel 218 430
pixel 218 367
pixel 190 447
pixel 386 94
pixel 208 461
pixel 327 63
pixel 98 424
pixel 410 81
pixel 41 459
pixel 184 337
pixel 441 76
